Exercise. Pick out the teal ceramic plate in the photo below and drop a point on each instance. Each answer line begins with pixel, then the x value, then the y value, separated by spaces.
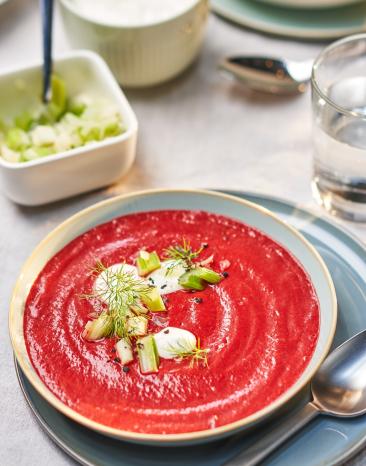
pixel 324 441
pixel 329 23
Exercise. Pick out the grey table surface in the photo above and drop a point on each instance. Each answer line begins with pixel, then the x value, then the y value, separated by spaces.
pixel 199 130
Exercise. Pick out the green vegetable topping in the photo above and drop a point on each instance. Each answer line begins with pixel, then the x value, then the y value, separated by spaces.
pixel 153 301
pixel 61 125
pixel 197 278
pixel 147 263
pixel 148 355
pixel 191 281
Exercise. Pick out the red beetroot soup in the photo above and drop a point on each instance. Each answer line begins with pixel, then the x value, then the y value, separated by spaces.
pixel 260 324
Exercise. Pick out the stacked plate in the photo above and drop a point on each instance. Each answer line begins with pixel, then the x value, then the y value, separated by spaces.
pixel 323 248
pixel 306 19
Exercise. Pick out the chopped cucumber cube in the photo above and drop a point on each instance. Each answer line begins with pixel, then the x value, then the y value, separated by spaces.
pixel 43 135
pixel 137 326
pixel 124 351
pixel 191 281
pixel 196 279
pixel 24 120
pixel 139 308
pixel 153 300
pixel 76 106
pixel 10 155
pixel 30 154
pixel 61 125
pixel 98 328
pixel 147 263
pixel 148 355
pixel 17 139
pixel 208 275
pixel 58 89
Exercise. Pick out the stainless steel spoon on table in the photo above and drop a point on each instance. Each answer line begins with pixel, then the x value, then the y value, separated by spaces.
pixel 338 389
pixel 47 15
pixel 271 75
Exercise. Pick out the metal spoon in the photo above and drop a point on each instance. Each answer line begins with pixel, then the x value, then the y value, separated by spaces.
pixel 47 14
pixel 272 75
pixel 338 388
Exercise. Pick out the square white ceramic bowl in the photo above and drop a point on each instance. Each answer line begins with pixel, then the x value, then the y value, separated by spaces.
pixel 78 170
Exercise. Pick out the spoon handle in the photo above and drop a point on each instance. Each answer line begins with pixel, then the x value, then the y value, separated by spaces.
pixel 273 439
pixel 47 14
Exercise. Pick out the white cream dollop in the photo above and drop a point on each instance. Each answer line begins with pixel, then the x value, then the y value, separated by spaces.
pixel 166 278
pixel 100 284
pixel 171 341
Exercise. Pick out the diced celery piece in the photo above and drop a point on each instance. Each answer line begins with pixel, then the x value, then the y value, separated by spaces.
pixel 30 154
pixel 43 135
pixel 191 281
pixel 76 106
pixel 137 326
pixel 139 308
pixel 17 139
pixel 9 155
pixel 153 300
pixel 58 96
pixel 197 278
pixel 124 351
pixel 98 328
pixel 148 355
pixel 24 120
pixel 64 141
pixel 111 128
pixel 43 151
pixel 54 111
pixel 33 153
pixel 208 275
pixel 90 133
pixel 147 262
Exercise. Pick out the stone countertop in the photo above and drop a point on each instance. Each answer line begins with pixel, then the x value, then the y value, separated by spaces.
pixel 200 130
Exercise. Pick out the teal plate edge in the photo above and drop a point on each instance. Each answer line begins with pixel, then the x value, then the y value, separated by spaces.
pixel 345 256
pixel 308 24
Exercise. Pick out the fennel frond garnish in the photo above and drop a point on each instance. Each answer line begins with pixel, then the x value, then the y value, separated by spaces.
pixel 183 349
pixel 182 254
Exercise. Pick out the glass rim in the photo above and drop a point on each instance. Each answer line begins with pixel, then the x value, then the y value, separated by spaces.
pixel 318 61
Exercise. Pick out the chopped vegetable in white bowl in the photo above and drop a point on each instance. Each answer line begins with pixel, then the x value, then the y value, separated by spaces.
pixel 63 124
pixel 84 139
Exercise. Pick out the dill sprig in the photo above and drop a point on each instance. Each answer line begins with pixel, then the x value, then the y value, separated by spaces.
pixel 120 290
pixel 184 349
pixel 182 254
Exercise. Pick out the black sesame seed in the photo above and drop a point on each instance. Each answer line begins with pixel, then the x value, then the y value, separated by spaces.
pixel 126 369
pixel 166 331
pixel 113 350
pixel 116 360
pixel 205 245
pixel 163 286
pixel 140 345
pixel 198 300
pixel 225 274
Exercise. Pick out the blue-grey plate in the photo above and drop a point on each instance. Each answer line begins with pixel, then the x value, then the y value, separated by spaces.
pixel 328 23
pixel 325 441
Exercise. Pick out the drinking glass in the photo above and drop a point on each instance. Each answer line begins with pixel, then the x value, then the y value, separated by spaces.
pixel 339 128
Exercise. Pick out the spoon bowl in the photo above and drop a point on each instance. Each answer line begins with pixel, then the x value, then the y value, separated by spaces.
pixel 339 387
pixel 271 75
